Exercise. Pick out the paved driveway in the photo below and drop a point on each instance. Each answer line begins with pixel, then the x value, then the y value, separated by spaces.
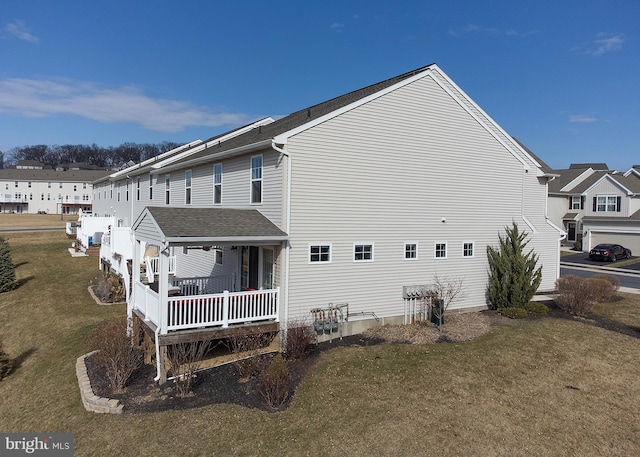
pixel 582 258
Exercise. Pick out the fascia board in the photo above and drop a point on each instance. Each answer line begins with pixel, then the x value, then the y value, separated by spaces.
pixel 512 147
pixel 170 160
pixel 578 179
pixel 181 240
pixel 282 138
pixel 214 157
pixel 610 178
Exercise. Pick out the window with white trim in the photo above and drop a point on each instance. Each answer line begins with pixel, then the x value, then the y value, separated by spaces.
pixel 218 256
pixel 607 204
pixel 410 251
pixel 319 253
pixel 138 188
pixel 187 186
pixel 468 249
pixel 150 187
pixel 217 183
pixel 363 252
pixel 575 202
pixel 441 250
pixel 256 179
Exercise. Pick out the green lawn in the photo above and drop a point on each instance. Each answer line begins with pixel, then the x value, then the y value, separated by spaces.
pixel 547 387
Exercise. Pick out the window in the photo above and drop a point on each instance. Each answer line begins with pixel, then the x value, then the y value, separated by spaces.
pixel 606 203
pixel 84 185
pixel 256 179
pixel 467 249
pixel 441 250
pixel 6 186
pixel 30 196
pixel 267 268
pixel 138 188
pixel 75 187
pixel 187 186
pixel 118 191
pixel 60 185
pixel 167 189
pixel 575 202
pixel 319 253
pixel 150 187
pixel 410 251
pixel 217 184
pixel 42 196
pixel 48 196
pixel 127 191
pixel 49 185
pixel 29 184
pixel 363 252
pixel 218 256
pixel 16 184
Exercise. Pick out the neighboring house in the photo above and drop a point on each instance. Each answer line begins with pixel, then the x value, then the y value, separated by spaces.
pixel 332 212
pixel 33 188
pixel 597 205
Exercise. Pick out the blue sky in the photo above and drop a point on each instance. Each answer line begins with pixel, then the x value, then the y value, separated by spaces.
pixel 562 76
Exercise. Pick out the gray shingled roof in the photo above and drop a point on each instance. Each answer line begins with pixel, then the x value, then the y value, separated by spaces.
pixel 543 166
pixel 52 175
pixel 566 176
pixel 212 223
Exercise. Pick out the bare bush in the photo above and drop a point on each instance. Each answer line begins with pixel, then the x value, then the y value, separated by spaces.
pixel 275 382
pixel 184 360
pixel 300 339
pixel 243 341
pixel 614 281
pixel 578 296
pixel 116 353
pixel 444 292
pixel 109 288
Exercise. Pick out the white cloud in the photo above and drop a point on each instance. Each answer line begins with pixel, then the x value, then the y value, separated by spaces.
pixel 475 28
pixel 336 26
pixel 18 29
pixel 582 118
pixel 39 98
pixel 601 44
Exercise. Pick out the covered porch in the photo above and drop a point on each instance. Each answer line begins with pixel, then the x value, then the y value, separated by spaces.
pixel 201 272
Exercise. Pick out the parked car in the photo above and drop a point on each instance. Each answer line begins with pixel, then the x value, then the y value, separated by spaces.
pixel 610 252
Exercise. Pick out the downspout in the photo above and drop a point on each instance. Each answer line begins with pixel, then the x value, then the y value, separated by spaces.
pixel 157 341
pixel 288 229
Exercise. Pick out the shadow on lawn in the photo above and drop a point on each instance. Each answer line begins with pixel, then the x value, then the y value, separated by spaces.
pixel 19 360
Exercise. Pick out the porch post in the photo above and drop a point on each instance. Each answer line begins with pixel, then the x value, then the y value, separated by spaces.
pixel 225 309
pixel 135 275
pixel 163 289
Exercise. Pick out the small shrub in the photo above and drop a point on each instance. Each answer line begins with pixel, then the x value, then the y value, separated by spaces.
pixel 578 296
pixel 513 312
pixel 614 281
pixel 299 341
pixel 185 359
pixel 109 288
pixel 275 382
pixel 6 363
pixel 536 308
pixel 242 341
pixel 7 269
pixel 116 354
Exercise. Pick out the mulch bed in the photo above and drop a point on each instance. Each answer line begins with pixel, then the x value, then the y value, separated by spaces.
pixel 217 385
pixel 222 384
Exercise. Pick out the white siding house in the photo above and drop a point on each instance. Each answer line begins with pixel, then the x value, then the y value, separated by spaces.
pixel 336 207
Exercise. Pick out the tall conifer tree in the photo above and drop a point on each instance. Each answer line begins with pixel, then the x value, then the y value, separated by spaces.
pixel 7 269
pixel 514 278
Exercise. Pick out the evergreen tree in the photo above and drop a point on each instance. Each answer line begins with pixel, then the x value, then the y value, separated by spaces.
pixel 7 269
pixel 513 276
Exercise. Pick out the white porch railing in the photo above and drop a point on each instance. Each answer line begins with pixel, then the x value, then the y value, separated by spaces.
pixel 153 266
pixel 204 285
pixel 194 311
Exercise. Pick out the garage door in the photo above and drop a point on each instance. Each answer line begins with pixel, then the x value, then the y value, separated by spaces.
pixel 629 241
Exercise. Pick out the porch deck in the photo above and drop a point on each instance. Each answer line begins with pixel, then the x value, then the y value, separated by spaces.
pixel 184 312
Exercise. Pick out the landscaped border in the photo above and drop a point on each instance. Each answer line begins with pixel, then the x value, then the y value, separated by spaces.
pixel 90 400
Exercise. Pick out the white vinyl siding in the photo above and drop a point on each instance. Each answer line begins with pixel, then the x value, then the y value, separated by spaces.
pixel 430 136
